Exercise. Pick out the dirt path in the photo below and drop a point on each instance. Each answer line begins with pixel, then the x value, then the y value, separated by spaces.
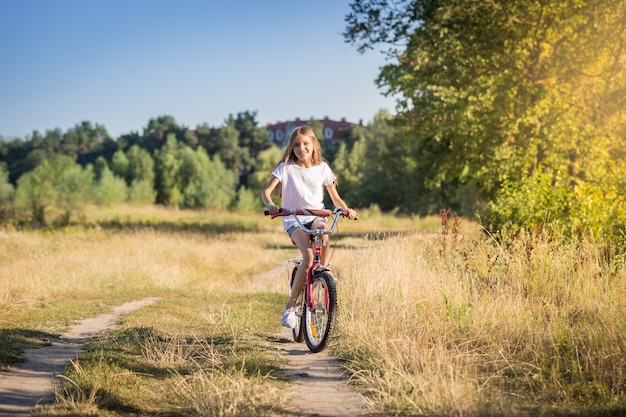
pixel 320 385
pixel 32 383
pixel 316 376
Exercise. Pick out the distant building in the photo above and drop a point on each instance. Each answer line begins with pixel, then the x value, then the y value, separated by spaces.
pixel 278 133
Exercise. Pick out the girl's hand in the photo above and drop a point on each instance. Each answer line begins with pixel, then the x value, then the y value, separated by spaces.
pixel 272 209
pixel 351 214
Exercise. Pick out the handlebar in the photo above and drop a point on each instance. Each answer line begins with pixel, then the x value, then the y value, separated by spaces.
pixel 338 211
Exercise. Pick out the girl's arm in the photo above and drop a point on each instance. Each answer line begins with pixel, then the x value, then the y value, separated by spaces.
pixel 338 201
pixel 266 195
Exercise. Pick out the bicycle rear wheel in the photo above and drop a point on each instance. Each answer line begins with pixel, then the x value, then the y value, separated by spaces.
pixel 319 322
pixel 298 331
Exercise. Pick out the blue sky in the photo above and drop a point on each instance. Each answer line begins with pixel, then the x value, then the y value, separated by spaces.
pixel 119 63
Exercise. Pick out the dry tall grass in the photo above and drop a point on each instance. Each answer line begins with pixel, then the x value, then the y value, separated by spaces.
pixel 429 326
pixel 465 327
pixel 108 268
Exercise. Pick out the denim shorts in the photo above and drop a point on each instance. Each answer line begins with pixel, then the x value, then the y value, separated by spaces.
pixel 307 225
pixel 295 226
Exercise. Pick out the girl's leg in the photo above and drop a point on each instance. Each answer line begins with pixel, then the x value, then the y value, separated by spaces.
pixel 302 240
pixel 321 224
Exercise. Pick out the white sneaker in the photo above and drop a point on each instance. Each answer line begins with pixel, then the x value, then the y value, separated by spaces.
pixel 289 318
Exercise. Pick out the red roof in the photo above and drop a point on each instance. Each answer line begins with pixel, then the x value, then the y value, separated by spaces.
pixel 279 132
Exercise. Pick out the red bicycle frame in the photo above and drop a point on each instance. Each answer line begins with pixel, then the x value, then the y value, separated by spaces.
pixel 316 242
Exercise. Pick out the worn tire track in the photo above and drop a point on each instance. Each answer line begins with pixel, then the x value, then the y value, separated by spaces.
pixel 32 383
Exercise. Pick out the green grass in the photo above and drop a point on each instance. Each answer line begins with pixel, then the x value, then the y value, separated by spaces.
pixel 434 319
pixel 157 360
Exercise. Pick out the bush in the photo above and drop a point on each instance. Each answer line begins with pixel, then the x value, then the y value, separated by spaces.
pixel 247 201
pixel 111 189
pixel 572 209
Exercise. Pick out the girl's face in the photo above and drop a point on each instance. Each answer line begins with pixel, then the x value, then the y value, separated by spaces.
pixel 303 148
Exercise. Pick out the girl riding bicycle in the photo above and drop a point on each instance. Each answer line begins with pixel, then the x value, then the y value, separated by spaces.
pixel 303 175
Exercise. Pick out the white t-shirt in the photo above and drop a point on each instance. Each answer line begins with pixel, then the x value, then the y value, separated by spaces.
pixel 302 188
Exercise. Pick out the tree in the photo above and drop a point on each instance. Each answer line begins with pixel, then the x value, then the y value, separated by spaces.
pixel 142 192
pixel 167 163
pixel 7 192
pixel 60 183
pixel 224 182
pixel 73 185
pixel 6 189
pixel 252 140
pixel 110 189
pixel 35 192
pixel 140 165
pixel 140 176
pixel 501 90
pixel 205 183
pixel 120 164
pixel 157 131
pixel 263 167
pixel 85 142
pixel 247 201
pixel 99 166
pixel 251 137
pixel 193 177
pixel 226 145
pixel 379 168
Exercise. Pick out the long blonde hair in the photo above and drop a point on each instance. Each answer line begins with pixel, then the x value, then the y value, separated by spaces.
pixel 316 156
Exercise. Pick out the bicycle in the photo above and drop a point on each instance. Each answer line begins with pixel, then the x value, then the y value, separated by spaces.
pixel 316 306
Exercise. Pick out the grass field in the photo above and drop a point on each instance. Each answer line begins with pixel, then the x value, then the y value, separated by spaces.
pixel 433 320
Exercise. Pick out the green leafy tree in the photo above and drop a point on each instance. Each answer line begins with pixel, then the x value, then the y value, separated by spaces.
pixel 23 156
pixel 252 140
pixel 6 188
pixel 349 166
pixel 158 130
pixel 226 145
pixel 140 165
pixel 52 142
pixel 499 91
pixel 190 139
pixel 85 142
pixel 60 183
pixel 198 188
pixel 120 165
pixel 167 163
pixel 206 138
pixel 247 201
pixel 141 175
pixel 110 189
pixel 7 192
pixel 205 183
pixel 141 192
pixel 73 184
pixel 264 165
pixel 251 137
pixel 378 168
pixel 99 166
pixel 224 181
pixel 193 178
pixel 36 192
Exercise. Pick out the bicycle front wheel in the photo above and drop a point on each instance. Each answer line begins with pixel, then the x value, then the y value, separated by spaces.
pixel 319 321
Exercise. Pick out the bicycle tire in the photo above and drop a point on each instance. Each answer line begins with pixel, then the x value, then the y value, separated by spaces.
pixel 320 322
pixel 297 332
